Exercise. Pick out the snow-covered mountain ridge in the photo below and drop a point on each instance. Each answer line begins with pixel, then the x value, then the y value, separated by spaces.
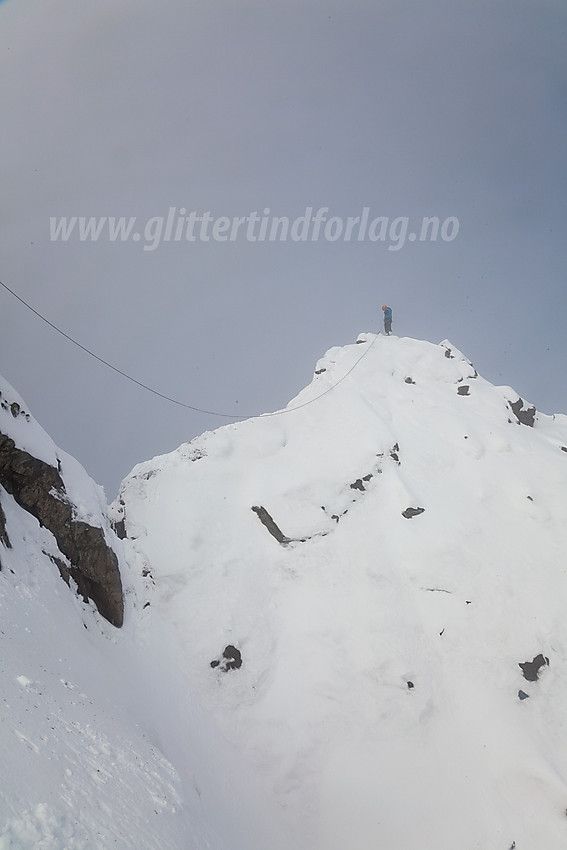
pixel 344 627
pixel 380 561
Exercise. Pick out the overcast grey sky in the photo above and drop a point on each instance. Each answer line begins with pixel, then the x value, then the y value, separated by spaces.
pixel 412 109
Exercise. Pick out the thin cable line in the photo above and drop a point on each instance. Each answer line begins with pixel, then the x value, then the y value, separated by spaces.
pixel 174 400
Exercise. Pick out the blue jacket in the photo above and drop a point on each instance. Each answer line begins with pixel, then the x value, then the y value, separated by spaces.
pixel 387 313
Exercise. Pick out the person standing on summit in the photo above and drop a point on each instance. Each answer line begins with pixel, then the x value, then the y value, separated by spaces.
pixel 387 319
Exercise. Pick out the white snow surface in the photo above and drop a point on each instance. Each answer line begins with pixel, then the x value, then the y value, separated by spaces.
pixel 377 704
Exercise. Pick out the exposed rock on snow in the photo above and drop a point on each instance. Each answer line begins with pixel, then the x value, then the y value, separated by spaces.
pixel 524 413
pixel 394 453
pixel 39 489
pixel 358 484
pixel 4 539
pixel 119 521
pixel 268 522
pixel 409 513
pixel 54 489
pixel 531 669
pixel 231 659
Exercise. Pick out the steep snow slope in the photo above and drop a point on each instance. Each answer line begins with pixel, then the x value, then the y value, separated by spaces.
pixel 99 747
pixel 381 561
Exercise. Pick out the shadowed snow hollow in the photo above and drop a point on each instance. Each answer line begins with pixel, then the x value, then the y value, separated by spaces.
pixel 366 592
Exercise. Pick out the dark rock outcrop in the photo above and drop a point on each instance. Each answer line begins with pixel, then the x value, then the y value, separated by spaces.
pixel 530 669
pixel 359 485
pixel 231 659
pixel 276 532
pixel 269 523
pixel 39 489
pixel 394 453
pixel 409 513
pixel 524 414
pixel 119 525
pixel 4 539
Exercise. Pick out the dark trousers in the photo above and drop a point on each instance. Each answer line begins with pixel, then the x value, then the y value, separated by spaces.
pixel 388 326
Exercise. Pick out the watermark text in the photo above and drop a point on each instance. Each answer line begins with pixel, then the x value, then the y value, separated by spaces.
pixel 311 226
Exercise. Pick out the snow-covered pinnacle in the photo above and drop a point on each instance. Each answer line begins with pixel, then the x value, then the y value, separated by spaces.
pixel 355 588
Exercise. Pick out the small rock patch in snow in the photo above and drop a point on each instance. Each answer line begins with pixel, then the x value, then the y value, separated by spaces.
pixel 231 659
pixel 411 512
pixel 530 669
pixel 268 522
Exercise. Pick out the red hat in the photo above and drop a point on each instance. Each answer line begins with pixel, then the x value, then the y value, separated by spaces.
pixel 384 307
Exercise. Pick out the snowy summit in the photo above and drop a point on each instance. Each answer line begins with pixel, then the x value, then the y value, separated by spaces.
pixel 343 628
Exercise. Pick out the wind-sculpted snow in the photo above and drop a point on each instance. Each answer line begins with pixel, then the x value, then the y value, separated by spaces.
pixel 377 692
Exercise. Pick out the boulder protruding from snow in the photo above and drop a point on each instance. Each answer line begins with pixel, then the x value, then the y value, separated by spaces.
pixel 231 659
pixel 409 513
pixel 530 669
pixel 524 413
